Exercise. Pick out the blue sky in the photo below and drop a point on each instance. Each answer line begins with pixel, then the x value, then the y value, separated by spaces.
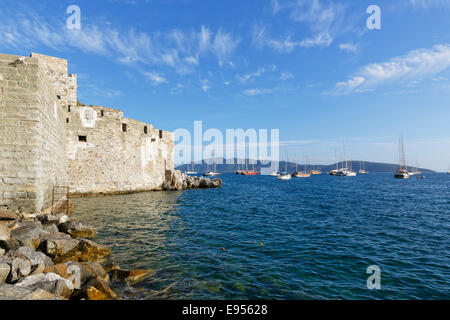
pixel 309 68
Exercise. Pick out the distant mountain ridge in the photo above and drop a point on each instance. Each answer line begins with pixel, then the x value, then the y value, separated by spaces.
pixel 355 165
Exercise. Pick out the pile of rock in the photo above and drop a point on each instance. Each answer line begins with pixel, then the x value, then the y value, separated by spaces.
pixel 45 256
pixel 177 180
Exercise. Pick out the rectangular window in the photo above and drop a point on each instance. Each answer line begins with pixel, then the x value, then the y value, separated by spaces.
pixel 160 134
pixel 153 139
pixel 82 138
pixel 59 97
pixel 67 120
pixel 145 129
pixel 102 113
pixel 68 108
pixel 124 127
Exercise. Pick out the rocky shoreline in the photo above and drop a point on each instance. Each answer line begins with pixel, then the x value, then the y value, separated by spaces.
pixel 46 256
pixel 177 180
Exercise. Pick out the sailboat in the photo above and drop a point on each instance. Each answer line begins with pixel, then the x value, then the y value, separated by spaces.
pixel 299 174
pixel 346 172
pixel 315 171
pixel 192 172
pixel 402 172
pixel 334 172
pixel 285 175
pixel 416 170
pixel 212 173
pixel 361 169
pixel 250 172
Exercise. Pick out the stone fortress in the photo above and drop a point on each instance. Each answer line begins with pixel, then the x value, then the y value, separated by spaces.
pixel 48 139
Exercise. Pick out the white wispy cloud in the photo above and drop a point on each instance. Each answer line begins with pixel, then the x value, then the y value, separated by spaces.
pixel 249 76
pixel 325 19
pixel 256 92
pixel 286 76
pixel 349 47
pixel 177 49
pixel 416 65
pixel 205 85
pixel 155 78
pixel 321 40
pixel 261 39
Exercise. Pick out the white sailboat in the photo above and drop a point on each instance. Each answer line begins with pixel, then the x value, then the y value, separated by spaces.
pixel 213 173
pixel 334 172
pixel 402 172
pixel 346 172
pixel 285 175
pixel 361 169
pixel 191 172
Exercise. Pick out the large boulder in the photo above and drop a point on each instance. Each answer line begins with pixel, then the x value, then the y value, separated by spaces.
pixel 88 251
pixel 8 215
pixel 40 294
pixel 49 282
pixel 77 229
pixel 12 292
pixel 10 244
pixel 35 257
pixel 102 290
pixel 96 269
pixel 5 268
pixel 56 219
pixel 131 276
pixel 4 230
pixel 20 267
pixel 57 245
pixel 51 228
pixel 29 234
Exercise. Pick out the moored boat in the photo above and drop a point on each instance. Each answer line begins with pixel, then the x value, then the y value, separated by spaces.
pixel 333 172
pixel 300 174
pixel 250 173
pixel 402 172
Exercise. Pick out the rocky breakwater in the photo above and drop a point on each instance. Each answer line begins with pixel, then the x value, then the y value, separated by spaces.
pixel 177 180
pixel 49 257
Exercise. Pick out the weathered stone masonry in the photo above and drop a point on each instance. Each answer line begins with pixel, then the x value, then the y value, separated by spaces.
pixel 47 140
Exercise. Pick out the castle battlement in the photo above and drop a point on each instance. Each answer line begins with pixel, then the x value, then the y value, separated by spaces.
pixel 47 139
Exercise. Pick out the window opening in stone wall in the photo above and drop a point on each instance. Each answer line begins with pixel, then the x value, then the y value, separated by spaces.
pixel 68 108
pixel 67 120
pixel 82 138
pixel 124 127
pixel 153 139
pixel 59 97
pixel 145 129
pixel 102 113
pixel 160 134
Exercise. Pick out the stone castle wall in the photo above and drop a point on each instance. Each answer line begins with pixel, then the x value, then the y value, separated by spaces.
pixel 32 135
pixel 47 140
pixel 109 153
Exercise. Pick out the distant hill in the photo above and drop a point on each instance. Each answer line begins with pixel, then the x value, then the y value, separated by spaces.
pixel 369 166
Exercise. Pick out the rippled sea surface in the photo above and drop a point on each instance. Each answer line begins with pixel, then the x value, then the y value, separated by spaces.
pixel 318 237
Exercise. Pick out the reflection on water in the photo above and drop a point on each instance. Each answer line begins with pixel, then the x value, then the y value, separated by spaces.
pixel 138 229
